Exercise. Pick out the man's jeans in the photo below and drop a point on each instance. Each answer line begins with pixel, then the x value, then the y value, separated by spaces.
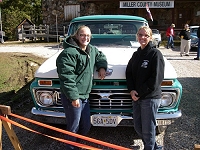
pixel 170 42
pixel 144 116
pixel 78 118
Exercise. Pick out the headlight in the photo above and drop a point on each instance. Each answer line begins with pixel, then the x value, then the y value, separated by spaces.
pixel 167 99
pixel 45 99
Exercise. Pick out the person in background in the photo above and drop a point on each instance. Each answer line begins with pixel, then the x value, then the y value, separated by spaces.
pixel 198 49
pixel 170 36
pixel 144 75
pixel 185 40
pixel 75 66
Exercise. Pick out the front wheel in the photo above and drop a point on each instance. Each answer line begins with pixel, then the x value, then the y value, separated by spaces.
pixel 2 40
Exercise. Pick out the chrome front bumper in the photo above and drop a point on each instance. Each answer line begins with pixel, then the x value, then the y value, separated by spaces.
pixel 50 116
pixel 47 113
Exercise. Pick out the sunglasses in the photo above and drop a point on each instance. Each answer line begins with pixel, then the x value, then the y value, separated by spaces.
pixel 143 35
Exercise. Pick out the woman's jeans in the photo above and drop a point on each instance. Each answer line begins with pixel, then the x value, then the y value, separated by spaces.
pixel 170 42
pixel 144 116
pixel 78 118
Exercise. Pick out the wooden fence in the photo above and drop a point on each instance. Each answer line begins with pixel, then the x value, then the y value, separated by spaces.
pixel 41 32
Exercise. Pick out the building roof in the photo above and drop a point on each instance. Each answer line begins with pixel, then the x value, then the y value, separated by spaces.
pixel 25 22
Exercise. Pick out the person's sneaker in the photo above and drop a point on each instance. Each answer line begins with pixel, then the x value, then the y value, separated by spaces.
pixel 196 58
pixel 135 147
pixel 187 55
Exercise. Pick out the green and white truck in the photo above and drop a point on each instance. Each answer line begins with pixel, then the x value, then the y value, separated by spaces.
pixel 110 101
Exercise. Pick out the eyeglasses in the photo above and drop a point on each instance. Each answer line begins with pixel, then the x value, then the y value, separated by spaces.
pixel 84 35
pixel 143 35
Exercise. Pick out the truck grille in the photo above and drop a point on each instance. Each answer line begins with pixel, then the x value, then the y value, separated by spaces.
pixel 110 101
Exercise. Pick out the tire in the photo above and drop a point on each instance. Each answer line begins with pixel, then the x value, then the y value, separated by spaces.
pixel 1 40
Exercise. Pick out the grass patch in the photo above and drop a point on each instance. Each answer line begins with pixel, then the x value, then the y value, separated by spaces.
pixel 17 72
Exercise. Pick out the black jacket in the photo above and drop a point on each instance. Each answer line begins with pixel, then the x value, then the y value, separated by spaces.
pixel 185 34
pixel 145 72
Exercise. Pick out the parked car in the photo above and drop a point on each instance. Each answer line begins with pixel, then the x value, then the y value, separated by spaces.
pixel 156 37
pixel 3 38
pixel 110 101
pixel 194 38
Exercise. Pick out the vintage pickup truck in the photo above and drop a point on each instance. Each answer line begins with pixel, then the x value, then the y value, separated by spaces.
pixel 110 102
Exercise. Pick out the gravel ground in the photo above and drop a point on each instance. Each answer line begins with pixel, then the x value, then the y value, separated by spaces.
pixel 185 131
pixel 40 49
pixel 181 135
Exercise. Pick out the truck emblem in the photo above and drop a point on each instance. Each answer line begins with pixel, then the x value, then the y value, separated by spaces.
pixel 105 96
pixel 109 72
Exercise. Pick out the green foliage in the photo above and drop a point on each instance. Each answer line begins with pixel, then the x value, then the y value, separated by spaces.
pixel 13 12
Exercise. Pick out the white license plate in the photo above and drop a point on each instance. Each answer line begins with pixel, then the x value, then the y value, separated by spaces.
pixel 105 120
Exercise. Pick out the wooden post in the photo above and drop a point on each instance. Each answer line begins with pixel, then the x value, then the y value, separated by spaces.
pixel 5 110
pixel 47 33
pixel 22 33
pixel 0 135
pixel 35 32
pixel 40 30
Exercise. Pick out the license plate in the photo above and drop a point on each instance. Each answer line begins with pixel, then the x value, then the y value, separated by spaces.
pixel 105 120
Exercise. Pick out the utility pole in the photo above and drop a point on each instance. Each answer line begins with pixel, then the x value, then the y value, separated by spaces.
pixel 2 40
pixel 54 12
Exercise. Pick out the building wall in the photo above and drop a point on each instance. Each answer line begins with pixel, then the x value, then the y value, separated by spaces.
pixel 183 12
pixel 51 8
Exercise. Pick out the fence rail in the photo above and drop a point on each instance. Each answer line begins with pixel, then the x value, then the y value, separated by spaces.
pixel 41 32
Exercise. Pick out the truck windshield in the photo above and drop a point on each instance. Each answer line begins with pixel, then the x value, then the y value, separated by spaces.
pixel 105 33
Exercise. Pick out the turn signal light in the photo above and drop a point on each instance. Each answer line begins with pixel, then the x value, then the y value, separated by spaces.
pixel 167 83
pixel 45 82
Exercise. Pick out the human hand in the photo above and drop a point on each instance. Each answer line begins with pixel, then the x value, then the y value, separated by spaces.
pixel 76 103
pixel 102 73
pixel 134 95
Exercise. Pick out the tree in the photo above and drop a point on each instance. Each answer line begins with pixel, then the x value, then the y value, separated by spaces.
pixel 15 11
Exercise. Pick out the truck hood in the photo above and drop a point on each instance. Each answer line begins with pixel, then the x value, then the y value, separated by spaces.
pixel 117 61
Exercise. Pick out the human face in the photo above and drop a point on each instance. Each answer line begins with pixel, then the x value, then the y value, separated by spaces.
pixel 186 26
pixel 83 37
pixel 143 37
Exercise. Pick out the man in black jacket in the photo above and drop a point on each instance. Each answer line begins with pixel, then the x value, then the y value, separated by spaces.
pixel 185 40
pixel 198 49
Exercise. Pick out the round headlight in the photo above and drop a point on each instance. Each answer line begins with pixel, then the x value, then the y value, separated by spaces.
pixel 167 99
pixel 46 99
